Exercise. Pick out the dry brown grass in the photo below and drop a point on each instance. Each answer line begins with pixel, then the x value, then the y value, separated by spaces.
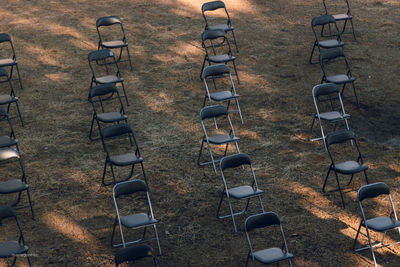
pixel 75 213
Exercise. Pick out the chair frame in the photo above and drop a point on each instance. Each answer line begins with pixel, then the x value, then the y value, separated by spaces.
pixel 372 191
pixel 134 253
pixel 230 162
pixel 136 185
pixel 103 55
pixel 338 137
pixel 211 40
pixel 331 43
pixel 5 38
pixel 99 94
pixel 263 220
pixel 214 5
pixel 9 212
pixel 109 21
pixel 213 112
pixel 342 17
pixel 215 72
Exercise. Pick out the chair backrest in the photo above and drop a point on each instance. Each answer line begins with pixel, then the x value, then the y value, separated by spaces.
pixel 234 161
pixel 215 70
pixel 347 4
pixel 261 220
pixel 4 113
pixel 213 111
pixel 133 253
pixel 325 89
pixel 7 212
pixel 372 190
pixel 340 136
pixel 116 130
pixel 331 53
pixel 212 34
pixel 4 37
pixel 129 187
pixel 210 6
pixel 107 21
pixel 322 20
pixel 102 90
pixel 100 55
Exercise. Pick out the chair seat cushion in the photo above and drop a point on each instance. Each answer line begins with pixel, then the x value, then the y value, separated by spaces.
pixel 11 248
pixel 350 167
pixel 125 159
pixel 6 99
pixel 224 95
pixel 221 58
pixel 330 43
pixel 7 62
pixel 223 27
pixel 222 139
pixel 340 78
pixel 382 224
pixel 341 16
pixel 111 117
pixel 7 141
pixel 271 255
pixel 109 79
pixel 12 186
pixel 114 44
pixel 244 191
pixel 333 116
pixel 137 220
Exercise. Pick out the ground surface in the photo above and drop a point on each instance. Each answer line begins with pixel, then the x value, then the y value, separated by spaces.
pixel 75 212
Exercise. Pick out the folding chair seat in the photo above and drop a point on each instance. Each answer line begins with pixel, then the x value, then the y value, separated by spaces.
pixel 117 31
pixel 9 98
pixel 134 253
pixel 217 7
pixel 12 249
pixel 329 107
pixel 109 71
pixel 325 43
pixel 349 167
pixel 220 72
pixel 7 46
pixel 115 138
pixel 217 50
pixel 217 138
pixel 269 255
pixel 101 96
pixel 7 155
pixel 380 224
pixel 238 192
pixel 342 17
pixel 337 54
pixel 8 140
pixel 134 191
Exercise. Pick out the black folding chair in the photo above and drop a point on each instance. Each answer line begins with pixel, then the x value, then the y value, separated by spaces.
pixel 115 31
pixel 238 192
pixel 325 43
pixel 380 224
pixel 13 249
pixel 221 77
pixel 135 253
pixel 103 98
pixel 9 97
pixel 109 71
pixel 329 107
pixel 350 167
pixel 337 55
pixel 342 17
pixel 8 140
pixel 7 156
pixel 7 45
pixel 133 191
pixel 269 255
pixel 115 140
pixel 217 50
pixel 214 112
pixel 216 7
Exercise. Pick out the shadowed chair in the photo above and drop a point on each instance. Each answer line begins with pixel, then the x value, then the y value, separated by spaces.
pixel 7 45
pixel 134 190
pixel 114 24
pixel 217 138
pixel 333 40
pixel 380 224
pixel 238 192
pixel 118 152
pixel 13 249
pixel 345 17
pixel 221 77
pixel 350 167
pixel 106 99
pixel 269 255
pixel 215 7
pixel 109 71
pixel 135 253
